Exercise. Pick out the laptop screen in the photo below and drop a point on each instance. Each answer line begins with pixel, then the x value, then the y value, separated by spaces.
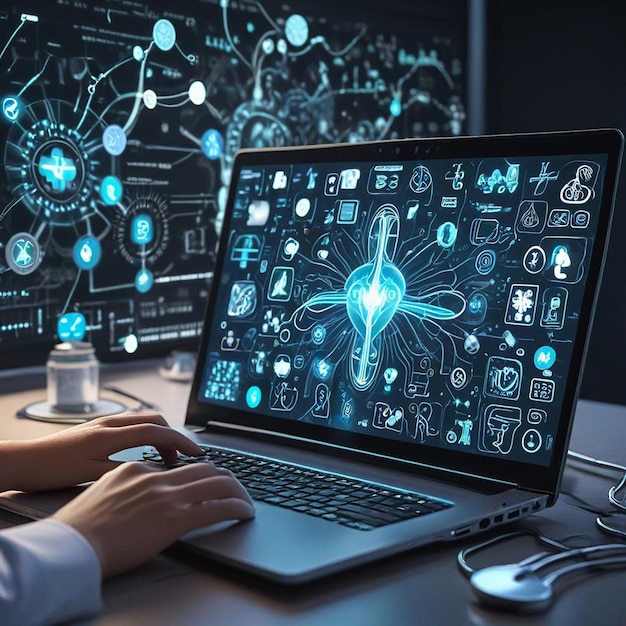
pixel 426 298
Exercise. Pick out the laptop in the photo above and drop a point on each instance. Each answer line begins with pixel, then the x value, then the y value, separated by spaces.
pixel 405 321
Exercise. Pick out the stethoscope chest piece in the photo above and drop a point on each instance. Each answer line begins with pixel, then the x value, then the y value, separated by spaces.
pixel 511 587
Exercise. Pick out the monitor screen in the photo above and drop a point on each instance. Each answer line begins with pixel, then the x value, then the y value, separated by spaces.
pixel 119 121
pixel 425 305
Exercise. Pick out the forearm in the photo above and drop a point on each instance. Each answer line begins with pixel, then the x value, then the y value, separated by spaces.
pixel 15 458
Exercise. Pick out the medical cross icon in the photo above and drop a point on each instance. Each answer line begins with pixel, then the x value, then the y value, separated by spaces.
pixel 57 169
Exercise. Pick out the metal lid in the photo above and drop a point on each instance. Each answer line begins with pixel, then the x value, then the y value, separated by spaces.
pixel 72 351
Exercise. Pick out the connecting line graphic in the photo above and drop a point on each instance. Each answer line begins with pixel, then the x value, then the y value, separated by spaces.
pixel 124 96
pixel 91 89
pixel 224 5
pixel 259 55
pixel 142 70
pixel 15 202
pixel 34 78
pixel 24 18
pixel 321 40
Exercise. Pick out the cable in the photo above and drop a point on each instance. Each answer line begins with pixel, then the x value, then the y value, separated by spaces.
pixel 143 404
pixel 616 494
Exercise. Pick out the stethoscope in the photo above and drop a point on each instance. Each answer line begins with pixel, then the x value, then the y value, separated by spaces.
pixel 529 585
pixel 521 587
pixel 616 494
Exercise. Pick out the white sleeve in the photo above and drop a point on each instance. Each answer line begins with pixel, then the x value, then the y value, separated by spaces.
pixel 49 573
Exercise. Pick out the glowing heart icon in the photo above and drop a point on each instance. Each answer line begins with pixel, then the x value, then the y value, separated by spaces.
pixel 373 296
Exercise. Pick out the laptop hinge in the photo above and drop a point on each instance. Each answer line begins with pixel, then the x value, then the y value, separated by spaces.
pixel 486 484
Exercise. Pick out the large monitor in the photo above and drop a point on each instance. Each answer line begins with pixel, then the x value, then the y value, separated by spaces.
pixel 119 121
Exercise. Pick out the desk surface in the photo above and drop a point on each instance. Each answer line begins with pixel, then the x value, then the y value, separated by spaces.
pixel 420 587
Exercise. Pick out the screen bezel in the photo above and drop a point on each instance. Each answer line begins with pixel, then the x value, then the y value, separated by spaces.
pixel 607 142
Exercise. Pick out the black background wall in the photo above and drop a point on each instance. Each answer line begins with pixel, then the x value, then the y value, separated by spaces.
pixel 560 65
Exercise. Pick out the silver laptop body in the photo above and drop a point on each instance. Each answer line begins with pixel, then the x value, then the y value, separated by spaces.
pixel 413 313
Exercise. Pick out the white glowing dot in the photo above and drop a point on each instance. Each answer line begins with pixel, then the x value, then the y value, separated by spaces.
pixel 303 206
pixel 138 53
pixel 281 46
pixel 131 344
pixel 149 99
pixel 268 46
pixel 296 30
pixel 197 92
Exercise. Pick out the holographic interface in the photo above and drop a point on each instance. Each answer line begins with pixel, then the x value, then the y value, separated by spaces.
pixel 433 302
pixel 119 122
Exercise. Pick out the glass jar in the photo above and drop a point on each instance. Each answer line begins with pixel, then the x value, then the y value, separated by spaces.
pixel 73 377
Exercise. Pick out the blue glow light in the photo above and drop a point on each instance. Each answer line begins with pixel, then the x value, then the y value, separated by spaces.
pixel 144 280
pixel 395 107
pixel 545 357
pixel 446 235
pixel 142 230
pixel 87 252
pixel 11 108
pixel 71 327
pixel 111 190
pixel 253 397
pixel 164 35
pixel 212 144
pixel 57 169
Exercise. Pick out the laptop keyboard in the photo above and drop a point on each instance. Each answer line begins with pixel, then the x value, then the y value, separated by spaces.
pixel 333 497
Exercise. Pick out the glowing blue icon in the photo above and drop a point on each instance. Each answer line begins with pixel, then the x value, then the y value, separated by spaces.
pixel 142 230
pixel 390 375
pixel 57 169
pixel 446 235
pixel 322 369
pixel 87 252
pixel 477 303
pixel 11 108
pixel 545 357
pixel 138 53
pixel 395 108
pixel 111 190
pixel 144 280
pixel 212 144
pixel 71 327
pixel 253 397
pixel 164 35
pixel 114 139
pixel 22 253
pixel 318 334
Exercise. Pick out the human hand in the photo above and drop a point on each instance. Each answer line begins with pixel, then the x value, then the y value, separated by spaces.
pixel 81 453
pixel 137 510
